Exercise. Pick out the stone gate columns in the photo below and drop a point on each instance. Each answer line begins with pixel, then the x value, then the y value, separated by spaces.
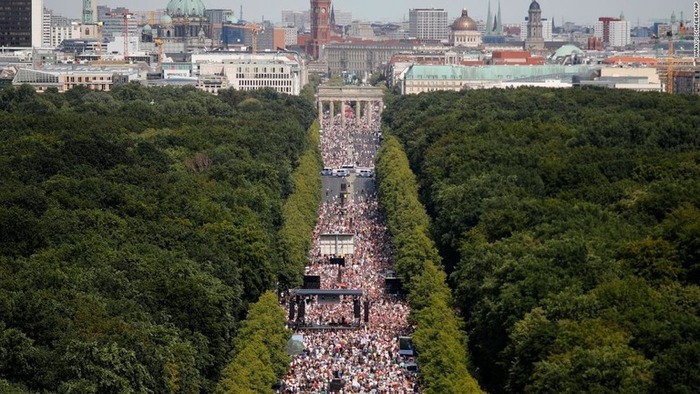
pixel 369 112
pixel 364 98
pixel 320 113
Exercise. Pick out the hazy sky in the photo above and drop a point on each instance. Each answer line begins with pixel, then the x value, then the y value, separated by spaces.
pixel 580 11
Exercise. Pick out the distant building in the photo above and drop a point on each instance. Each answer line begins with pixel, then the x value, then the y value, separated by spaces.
pixel 299 19
pixel 428 24
pixel 218 15
pixel 464 32
pixel 686 82
pixel 320 27
pixel 363 58
pixel 601 28
pixel 362 30
pixel 46 28
pixel 66 77
pixel 290 36
pixel 113 25
pixel 184 27
pixel 89 12
pixel 60 33
pixel 429 78
pixel 515 57
pixel 216 18
pixel 21 23
pixel 620 34
pixel 343 18
pixel 535 38
pixel 547 29
pixel 283 72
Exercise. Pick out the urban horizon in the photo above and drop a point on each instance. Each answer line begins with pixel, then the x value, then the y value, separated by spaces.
pixel 513 11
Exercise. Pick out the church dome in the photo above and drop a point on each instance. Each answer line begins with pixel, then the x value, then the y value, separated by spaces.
pixel 166 20
pixel 147 29
pixel 185 8
pixel 534 5
pixel 464 22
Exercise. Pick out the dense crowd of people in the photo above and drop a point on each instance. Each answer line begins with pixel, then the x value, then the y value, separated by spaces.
pixel 354 144
pixel 362 356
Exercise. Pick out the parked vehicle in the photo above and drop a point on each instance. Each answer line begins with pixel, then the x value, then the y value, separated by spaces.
pixel 365 172
pixel 341 172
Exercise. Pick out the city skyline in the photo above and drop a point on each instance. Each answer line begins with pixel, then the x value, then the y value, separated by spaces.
pixel 513 10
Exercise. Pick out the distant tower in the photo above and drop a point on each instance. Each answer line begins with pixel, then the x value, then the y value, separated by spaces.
pixel 489 21
pixel 89 12
pixel 499 24
pixel 320 26
pixel 534 38
pixel 332 22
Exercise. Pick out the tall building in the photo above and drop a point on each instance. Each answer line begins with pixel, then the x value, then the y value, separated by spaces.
pixel 619 34
pixel 614 32
pixel 20 23
pixel 601 28
pixel 547 29
pixel 534 39
pixel 46 16
pixel 320 26
pixel 89 12
pixel 428 24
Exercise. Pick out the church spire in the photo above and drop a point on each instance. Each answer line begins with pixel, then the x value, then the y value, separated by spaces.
pixel 489 21
pixel 499 25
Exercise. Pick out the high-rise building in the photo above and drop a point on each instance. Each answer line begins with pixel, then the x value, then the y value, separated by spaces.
pixel 20 23
pixel 428 24
pixel 89 12
pixel 601 28
pixel 534 39
pixel 614 32
pixel 46 16
pixel 619 34
pixel 320 26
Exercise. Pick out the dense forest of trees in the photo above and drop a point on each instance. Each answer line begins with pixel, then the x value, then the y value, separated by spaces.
pixel 136 227
pixel 569 221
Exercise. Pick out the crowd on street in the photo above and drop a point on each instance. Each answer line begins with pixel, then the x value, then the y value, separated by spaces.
pixel 354 144
pixel 363 356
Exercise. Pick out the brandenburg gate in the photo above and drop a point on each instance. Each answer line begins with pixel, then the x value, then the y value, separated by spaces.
pixel 364 98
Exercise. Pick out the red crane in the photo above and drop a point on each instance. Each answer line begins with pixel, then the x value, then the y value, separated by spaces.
pixel 125 17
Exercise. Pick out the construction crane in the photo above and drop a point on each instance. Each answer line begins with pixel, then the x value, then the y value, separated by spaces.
pixel 255 29
pixel 669 65
pixel 159 44
pixel 99 43
pixel 125 20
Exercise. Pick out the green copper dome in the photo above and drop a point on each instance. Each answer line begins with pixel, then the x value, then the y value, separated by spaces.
pixel 185 8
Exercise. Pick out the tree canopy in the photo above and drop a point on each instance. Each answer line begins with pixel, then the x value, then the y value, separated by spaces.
pixel 136 226
pixel 568 222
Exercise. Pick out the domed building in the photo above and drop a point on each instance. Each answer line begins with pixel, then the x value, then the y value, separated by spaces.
pixel 464 32
pixel 188 17
pixel 534 40
pixel 185 26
